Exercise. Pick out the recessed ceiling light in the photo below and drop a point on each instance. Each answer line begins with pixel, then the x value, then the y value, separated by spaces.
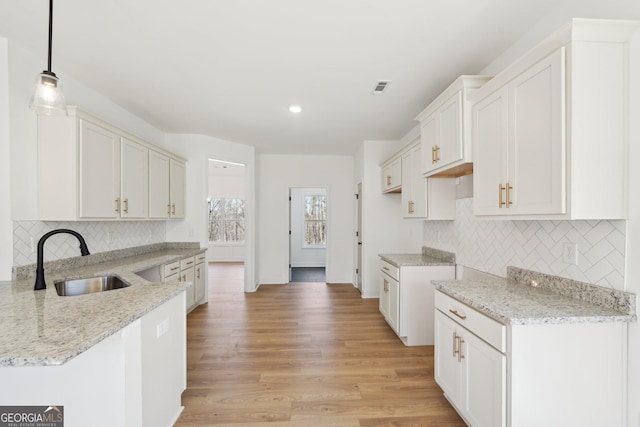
pixel 295 109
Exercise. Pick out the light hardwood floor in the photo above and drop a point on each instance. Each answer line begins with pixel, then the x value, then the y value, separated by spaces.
pixel 304 354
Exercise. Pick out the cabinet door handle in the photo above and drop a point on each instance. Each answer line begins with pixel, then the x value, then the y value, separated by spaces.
pixel 460 342
pixel 437 154
pixel 462 316
pixel 126 206
pixel 508 188
pixel 173 209
pixel 433 154
pixel 500 201
pixel 198 273
pixel 455 344
pixel 388 180
pixel 386 285
pixel 118 204
pixel 168 209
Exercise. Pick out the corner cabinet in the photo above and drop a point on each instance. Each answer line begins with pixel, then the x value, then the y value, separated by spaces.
pixel 391 176
pixel 406 300
pixel 90 170
pixel 549 132
pixel 445 130
pixel 423 198
pixel 426 198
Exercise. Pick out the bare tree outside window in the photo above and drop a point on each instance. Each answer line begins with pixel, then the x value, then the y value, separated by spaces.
pixel 226 220
pixel 315 220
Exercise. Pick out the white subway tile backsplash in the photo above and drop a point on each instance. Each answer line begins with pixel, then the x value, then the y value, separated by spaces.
pixel 101 236
pixel 491 246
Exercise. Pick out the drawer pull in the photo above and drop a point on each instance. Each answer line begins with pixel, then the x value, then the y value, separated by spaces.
pixel 175 268
pixel 462 316
pixel 385 268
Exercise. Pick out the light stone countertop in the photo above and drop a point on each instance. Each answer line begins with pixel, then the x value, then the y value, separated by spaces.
pixel 553 300
pixel 428 257
pixel 40 328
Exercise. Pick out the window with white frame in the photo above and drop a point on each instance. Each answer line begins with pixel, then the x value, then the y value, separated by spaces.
pixel 226 219
pixel 315 221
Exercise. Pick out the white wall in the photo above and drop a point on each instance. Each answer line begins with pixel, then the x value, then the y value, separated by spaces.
pixel 633 231
pixel 198 149
pixel 6 230
pixel 383 228
pixel 301 256
pixel 278 173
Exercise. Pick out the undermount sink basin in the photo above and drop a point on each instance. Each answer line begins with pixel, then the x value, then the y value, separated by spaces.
pixel 89 285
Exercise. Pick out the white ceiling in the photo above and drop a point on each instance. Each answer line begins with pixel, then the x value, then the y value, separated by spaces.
pixel 230 69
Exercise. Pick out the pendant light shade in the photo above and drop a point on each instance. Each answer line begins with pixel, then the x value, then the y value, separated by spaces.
pixel 48 98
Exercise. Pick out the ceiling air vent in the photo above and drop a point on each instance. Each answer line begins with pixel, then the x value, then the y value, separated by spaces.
pixel 380 87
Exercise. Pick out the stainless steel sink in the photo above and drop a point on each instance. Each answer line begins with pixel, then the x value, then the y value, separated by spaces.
pixel 89 285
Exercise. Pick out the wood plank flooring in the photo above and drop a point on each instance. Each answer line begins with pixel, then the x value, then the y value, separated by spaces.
pixel 303 354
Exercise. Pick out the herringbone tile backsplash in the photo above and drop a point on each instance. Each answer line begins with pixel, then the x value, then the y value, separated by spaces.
pixel 490 245
pixel 100 237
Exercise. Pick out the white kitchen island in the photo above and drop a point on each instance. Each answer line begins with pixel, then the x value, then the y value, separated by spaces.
pixel 114 358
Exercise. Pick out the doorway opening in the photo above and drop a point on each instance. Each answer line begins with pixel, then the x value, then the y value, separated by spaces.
pixel 307 234
pixel 226 212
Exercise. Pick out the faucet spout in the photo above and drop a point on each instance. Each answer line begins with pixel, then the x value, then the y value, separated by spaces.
pixel 84 251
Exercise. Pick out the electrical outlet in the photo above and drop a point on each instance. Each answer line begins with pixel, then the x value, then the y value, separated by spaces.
pixel 570 253
pixel 32 246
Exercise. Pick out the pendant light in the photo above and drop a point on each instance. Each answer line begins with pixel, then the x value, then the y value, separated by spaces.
pixel 48 98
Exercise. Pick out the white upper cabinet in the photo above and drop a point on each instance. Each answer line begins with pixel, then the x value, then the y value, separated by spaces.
pixel 99 178
pixel 549 131
pixel 159 206
pixel 135 180
pixel 177 188
pixel 426 198
pixel 91 170
pixel 445 130
pixel 391 176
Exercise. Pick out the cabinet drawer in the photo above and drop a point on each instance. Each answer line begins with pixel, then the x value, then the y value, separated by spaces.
pixel 484 327
pixel 170 269
pixel 200 258
pixel 187 262
pixel 390 269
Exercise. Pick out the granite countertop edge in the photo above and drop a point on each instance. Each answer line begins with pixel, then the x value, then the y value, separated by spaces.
pixel 512 303
pixel 428 257
pixel 42 328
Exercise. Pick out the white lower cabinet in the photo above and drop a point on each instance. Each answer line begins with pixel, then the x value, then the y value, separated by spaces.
pixel 471 373
pixel 406 300
pixel 529 375
pixel 190 269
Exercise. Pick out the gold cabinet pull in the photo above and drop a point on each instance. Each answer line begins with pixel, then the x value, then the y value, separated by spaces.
pixel 500 200
pixel 386 285
pixel 118 204
pixel 460 355
pixel 433 154
pixel 168 209
pixel 455 344
pixel 126 206
pixel 461 316
pixel 198 273
pixel 437 154
pixel 388 180
pixel 508 189
pixel 173 209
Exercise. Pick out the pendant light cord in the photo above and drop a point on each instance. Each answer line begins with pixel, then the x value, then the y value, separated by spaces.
pixel 50 34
